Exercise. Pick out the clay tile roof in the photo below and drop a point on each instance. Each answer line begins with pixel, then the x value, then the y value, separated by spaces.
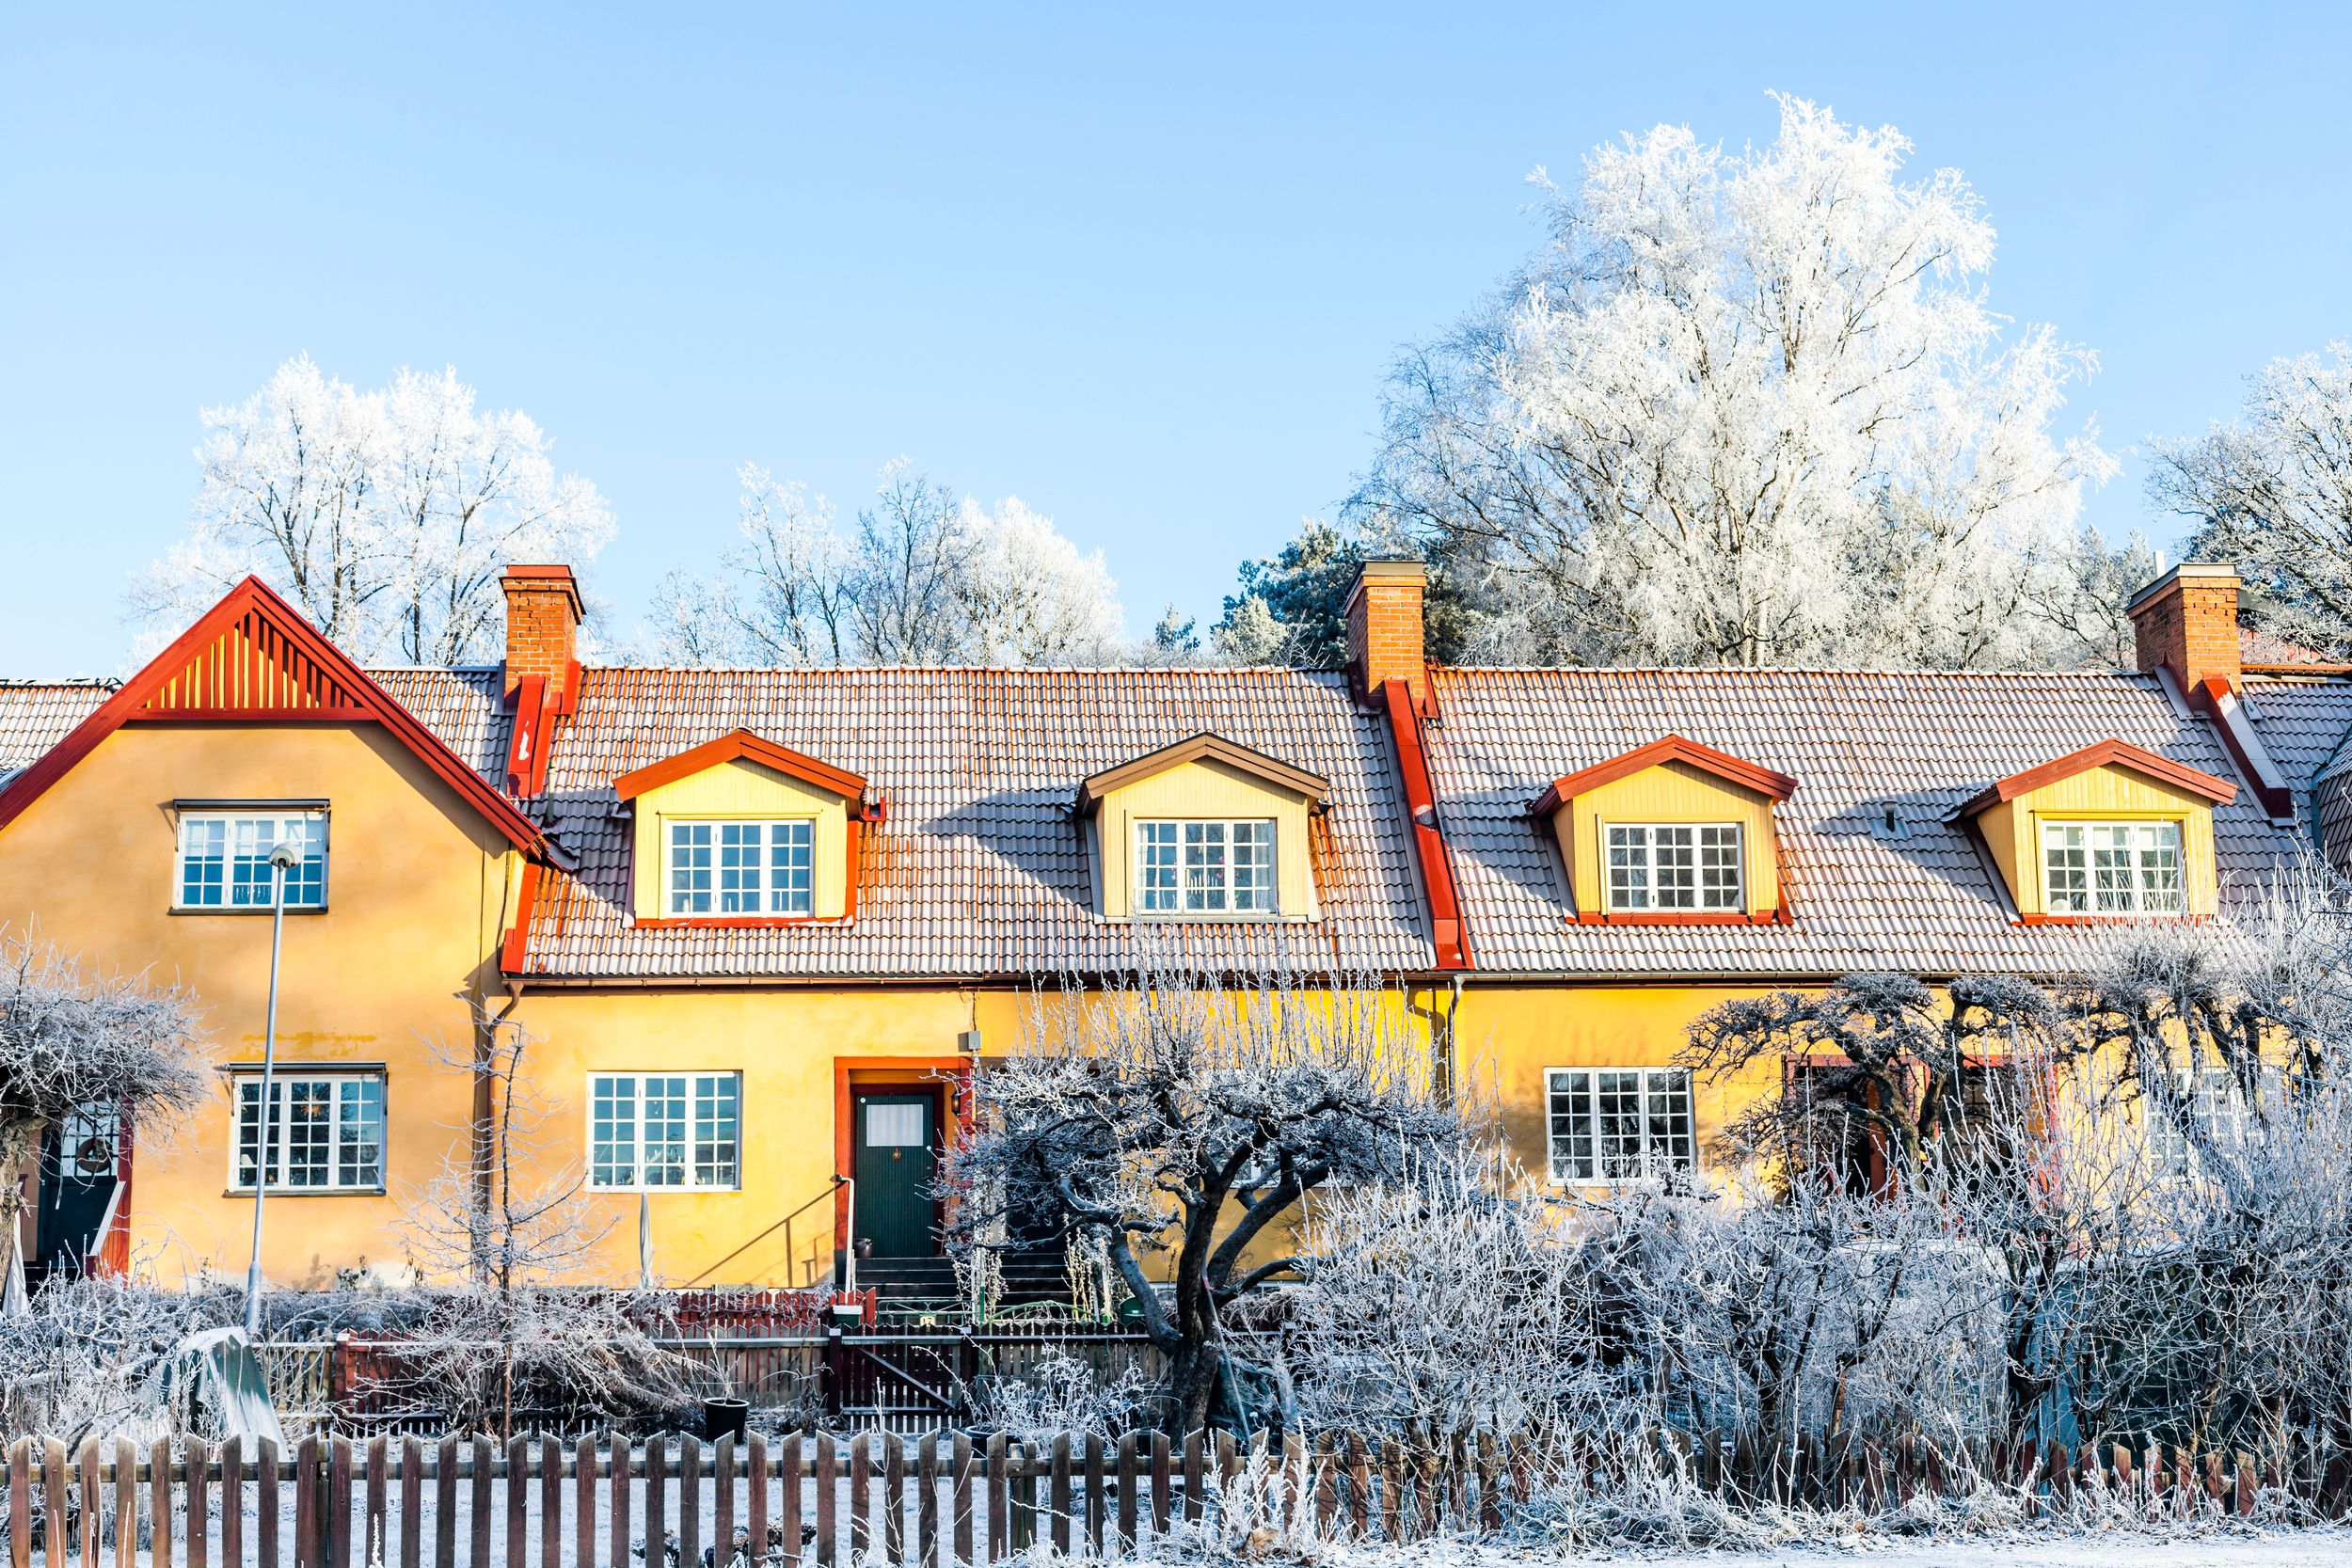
pixel 1878 873
pixel 978 867
pixel 36 715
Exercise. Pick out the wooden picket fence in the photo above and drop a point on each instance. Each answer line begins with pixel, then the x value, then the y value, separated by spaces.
pixel 810 1501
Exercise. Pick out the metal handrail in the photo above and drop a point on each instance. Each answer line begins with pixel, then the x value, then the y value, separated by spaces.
pixel 784 1225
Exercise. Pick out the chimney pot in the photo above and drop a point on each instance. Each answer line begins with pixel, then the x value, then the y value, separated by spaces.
pixel 1384 629
pixel 542 626
pixel 2186 621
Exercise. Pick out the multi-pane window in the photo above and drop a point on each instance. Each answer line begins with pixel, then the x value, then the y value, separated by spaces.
pixel 224 858
pixel 741 867
pixel 326 1132
pixel 1675 867
pixel 2214 1104
pixel 1205 867
pixel 1619 1124
pixel 2112 867
pixel 664 1130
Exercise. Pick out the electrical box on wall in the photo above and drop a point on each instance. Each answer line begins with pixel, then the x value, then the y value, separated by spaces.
pixel 968 1041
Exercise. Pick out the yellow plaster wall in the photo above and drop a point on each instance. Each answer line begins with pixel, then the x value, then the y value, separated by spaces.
pixel 1506 1036
pixel 2012 829
pixel 1201 789
pixel 1670 792
pixel 418 889
pixel 740 790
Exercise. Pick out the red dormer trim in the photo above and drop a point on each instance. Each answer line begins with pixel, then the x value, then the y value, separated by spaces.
pixel 2107 754
pixel 742 745
pixel 1672 748
pixel 252 658
pixel 1447 932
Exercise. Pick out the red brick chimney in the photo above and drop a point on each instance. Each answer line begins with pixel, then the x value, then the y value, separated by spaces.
pixel 1384 629
pixel 542 628
pixel 2186 621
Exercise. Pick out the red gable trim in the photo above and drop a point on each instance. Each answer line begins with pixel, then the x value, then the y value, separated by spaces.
pixel 2107 754
pixel 253 659
pixel 744 746
pixel 1447 933
pixel 1672 748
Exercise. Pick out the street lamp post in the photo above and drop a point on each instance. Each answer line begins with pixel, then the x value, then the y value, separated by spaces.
pixel 282 859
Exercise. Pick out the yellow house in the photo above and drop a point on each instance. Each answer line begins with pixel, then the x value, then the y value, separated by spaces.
pixel 758 924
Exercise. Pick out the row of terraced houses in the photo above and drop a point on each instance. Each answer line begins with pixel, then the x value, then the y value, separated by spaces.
pixel 760 922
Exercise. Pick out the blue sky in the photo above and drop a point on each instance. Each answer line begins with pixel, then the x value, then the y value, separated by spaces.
pixel 1141 268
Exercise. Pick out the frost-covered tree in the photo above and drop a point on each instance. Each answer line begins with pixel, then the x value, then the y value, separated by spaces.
pixel 921 579
pixel 2273 493
pixel 1746 408
pixel 1187 1116
pixel 384 515
pixel 71 1040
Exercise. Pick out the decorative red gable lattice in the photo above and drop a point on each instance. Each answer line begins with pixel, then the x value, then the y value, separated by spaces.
pixel 255 666
pixel 252 658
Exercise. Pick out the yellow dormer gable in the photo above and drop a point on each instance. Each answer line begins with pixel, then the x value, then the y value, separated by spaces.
pixel 1202 830
pixel 1671 832
pixel 742 831
pixel 2108 832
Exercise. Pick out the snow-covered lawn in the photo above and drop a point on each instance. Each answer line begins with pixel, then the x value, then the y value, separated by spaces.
pixel 2318 1548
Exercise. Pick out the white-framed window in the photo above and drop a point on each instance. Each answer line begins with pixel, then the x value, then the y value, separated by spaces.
pixel 2112 867
pixel 1195 867
pixel 1679 865
pixel 326 1131
pixel 664 1131
pixel 1619 1124
pixel 223 858
pixel 2215 1104
pixel 758 867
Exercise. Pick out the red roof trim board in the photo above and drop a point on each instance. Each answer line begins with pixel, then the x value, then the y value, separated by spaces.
pixel 1672 747
pixel 519 935
pixel 2213 698
pixel 1446 931
pixel 252 658
pixel 742 745
pixel 2107 754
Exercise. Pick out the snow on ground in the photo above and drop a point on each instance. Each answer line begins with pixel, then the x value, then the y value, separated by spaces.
pixel 2316 1548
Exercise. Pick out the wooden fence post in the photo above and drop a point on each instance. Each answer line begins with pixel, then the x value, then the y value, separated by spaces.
pixel 56 1509
pixel 927 1500
pixel 861 1495
pixel 517 1502
pixel 657 1498
pixel 723 1500
pixel 444 1505
pixel 159 1504
pixel 265 1479
pixel 21 1503
pixel 1161 1479
pixel 411 1504
pixel 789 1515
pixel 756 1501
pixel 824 1500
pixel 689 1501
pixel 894 1498
pixel 999 1500
pixel 1196 1471
pixel 1128 1482
pixel 94 1503
pixel 960 1457
pixel 584 1503
pixel 1060 1499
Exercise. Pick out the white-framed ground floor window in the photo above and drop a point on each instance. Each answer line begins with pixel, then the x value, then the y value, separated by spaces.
pixel 326 1130
pixel 1619 1124
pixel 662 1132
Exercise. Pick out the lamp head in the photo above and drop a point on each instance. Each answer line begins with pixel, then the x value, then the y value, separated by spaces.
pixel 285 857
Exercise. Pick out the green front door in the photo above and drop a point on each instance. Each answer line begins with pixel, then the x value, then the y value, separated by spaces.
pixel 894 1171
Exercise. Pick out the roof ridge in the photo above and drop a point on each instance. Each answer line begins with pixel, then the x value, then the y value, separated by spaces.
pixel 1193 670
pixel 1751 671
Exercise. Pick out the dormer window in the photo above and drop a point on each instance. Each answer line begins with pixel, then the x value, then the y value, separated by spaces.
pixel 1202 830
pixel 2120 868
pixel 1675 867
pixel 2109 833
pixel 740 831
pixel 1221 867
pixel 1673 832
pixel 741 867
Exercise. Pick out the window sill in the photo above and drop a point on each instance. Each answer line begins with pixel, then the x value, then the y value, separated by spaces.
pixel 738 921
pixel 310 1191
pixel 1682 917
pixel 2111 919
pixel 262 910
pixel 666 1192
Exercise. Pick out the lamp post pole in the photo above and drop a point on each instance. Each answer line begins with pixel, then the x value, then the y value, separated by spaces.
pixel 282 859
